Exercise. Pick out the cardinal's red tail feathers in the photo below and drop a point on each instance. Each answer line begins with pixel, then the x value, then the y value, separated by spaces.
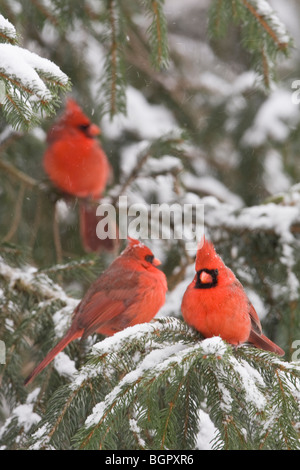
pixel 51 355
pixel 262 342
pixel 88 229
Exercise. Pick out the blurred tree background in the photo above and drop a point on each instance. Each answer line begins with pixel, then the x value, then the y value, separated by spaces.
pixel 201 92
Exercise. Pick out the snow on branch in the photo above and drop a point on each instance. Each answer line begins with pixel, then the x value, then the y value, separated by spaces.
pixel 262 32
pixel 269 21
pixel 7 31
pixel 29 83
pixel 24 69
pixel 164 358
pixel 31 280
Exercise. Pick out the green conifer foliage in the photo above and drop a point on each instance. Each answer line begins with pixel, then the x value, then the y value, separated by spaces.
pixel 196 106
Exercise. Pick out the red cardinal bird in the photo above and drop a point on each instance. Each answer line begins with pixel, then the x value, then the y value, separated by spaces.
pixel 130 291
pixel 77 165
pixel 216 304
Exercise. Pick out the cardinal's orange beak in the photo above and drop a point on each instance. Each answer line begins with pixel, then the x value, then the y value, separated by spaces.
pixel 94 130
pixel 156 262
pixel 205 278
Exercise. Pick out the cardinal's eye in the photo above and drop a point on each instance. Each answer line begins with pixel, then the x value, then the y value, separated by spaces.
pixel 149 258
pixel 84 127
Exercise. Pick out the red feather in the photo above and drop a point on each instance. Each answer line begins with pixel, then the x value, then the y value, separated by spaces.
pixel 217 305
pixel 77 165
pixel 130 291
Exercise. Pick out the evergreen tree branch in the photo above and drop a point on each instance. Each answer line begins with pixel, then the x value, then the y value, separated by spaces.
pixel 25 75
pixel 33 282
pixel 113 81
pixel 20 175
pixel 183 373
pixel 271 31
pixel 265 68
pixel 7 31
pixel 46 12
pixel 263 34
pixel 113 58
pixel 165 145
pixel 17 215
pixel 157 33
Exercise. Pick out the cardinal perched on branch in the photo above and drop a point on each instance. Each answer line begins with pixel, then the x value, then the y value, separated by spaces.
pixel 130 291
pixel 76 164
pixel 216 304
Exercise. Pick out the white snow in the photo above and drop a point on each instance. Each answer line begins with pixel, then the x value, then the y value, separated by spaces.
pixel 111 343
pixel 130 154
pixel 24 414
pixel 26 67
pixel 271 216
pixel 287 12
pixel 174 297
pixel 7 27
pixel 155 359
pixel 62 319
pixel 137 431
pixel 275 119
pixel 211 186
pixel 29 276
pixel 214 345
pixel 64 365
pixel 147 120
pixel 64 212
pixel 167 163
pixel 292 285
pixel 265 9
pixel 251 379
pixel 40 437
pixel 206 432
pixel 275 178
pixel 215 84
pixel 257 303
pixel 245 81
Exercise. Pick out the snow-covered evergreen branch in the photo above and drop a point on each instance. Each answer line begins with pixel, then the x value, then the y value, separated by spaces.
pixel 30 83
pixel 160 375
pixel 262 32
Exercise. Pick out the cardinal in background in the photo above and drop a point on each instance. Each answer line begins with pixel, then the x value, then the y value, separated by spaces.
pixel 76 164
pixel 130 291
pixel 216 304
